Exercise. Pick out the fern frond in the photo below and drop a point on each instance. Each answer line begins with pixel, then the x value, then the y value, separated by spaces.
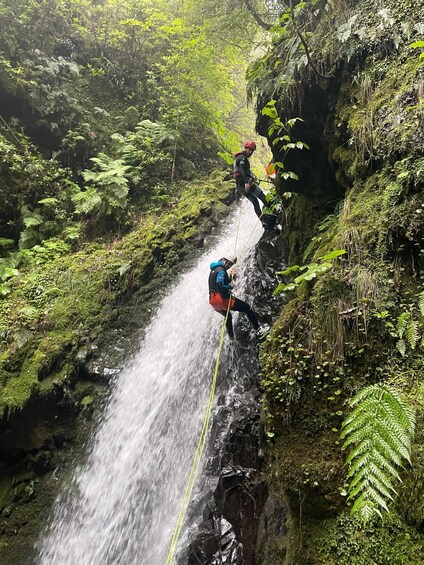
pixel 381 481
pixel 376 497
pixel 385 463
pixel 402 322
pixel 361 420
pixel 87 202
pixel 358 475
pixel 411 333
pixel 368 391
pixel 401 347
pixel 396 427
pixel 358 488
pixel 365 509
pixel 379 431
pixel 355 436
pixel 363 447
pixel 404 412
pixel 389 432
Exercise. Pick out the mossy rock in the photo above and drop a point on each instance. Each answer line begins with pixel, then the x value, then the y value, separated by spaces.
pixel 345 541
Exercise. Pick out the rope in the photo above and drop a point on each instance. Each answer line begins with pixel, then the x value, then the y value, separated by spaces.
pixel 203 434
pixel 248 239
pixel 199 450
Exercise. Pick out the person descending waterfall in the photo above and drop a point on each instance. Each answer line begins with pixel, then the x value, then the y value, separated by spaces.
pixel 220 294
pixel 244 179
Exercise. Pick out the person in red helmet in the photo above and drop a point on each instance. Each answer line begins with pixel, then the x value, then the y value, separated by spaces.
pixel 244 179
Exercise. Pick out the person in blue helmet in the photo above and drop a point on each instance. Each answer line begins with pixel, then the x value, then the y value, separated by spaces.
pixel 220 297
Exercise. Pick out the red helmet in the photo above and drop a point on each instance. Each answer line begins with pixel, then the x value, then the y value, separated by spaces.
pixel 249 144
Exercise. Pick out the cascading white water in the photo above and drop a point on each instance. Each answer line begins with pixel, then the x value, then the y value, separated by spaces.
pixel 123 502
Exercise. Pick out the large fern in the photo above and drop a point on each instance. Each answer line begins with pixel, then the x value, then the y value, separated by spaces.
pixel 379 432
pixel 108 189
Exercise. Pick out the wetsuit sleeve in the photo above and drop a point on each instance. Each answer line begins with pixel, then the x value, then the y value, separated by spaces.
pixel 223 283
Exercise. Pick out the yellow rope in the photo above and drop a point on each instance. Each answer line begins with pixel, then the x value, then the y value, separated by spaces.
pixel 203 434
pixel 247 241
pixel 199 450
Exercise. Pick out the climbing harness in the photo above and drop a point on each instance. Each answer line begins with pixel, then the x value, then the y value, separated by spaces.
pixel 203 434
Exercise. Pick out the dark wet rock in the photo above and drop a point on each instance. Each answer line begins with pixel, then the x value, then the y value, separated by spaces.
pixel 274 525
pixel 232 197
pixel 233 522
pixel 42 462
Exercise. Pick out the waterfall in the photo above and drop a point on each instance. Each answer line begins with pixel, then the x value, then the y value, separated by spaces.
pixel 122 504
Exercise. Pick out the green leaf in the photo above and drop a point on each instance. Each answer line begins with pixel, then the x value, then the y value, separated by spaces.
pixel 402 323
pixel 288 271
pixel 333 255
pixel 49 201
pixel 401 347
pixel 411 333
pixel 32 221
pixel 4 242
pixel 4 290
pixel 271 112
pixel 283 288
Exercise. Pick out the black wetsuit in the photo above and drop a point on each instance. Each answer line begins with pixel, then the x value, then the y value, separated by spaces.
pixel 220 295
pixel 243 175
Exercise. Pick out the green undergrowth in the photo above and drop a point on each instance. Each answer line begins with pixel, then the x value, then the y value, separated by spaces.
pixel 359 323
pixel 339 332
pixel 344 541
pixel 60 300
pixel 338 34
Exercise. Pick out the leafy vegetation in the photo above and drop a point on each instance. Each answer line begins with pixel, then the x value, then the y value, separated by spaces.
pixel 380 428
pixel 311 271
pixel 56 298
pixel 96 118
pixel 355 328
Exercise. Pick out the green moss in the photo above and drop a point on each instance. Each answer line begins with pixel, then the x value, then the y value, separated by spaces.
pixel 47 357
pixel 17 391
pixel 52 306
pixel 344 541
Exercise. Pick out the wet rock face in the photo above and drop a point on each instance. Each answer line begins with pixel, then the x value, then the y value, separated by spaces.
pixel 313 167
pixel 229 531
pixel 233 522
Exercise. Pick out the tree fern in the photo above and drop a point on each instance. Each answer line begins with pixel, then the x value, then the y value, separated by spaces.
pixel 109 186
pixel 158 132
pixel 87 202
pixel 379 433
